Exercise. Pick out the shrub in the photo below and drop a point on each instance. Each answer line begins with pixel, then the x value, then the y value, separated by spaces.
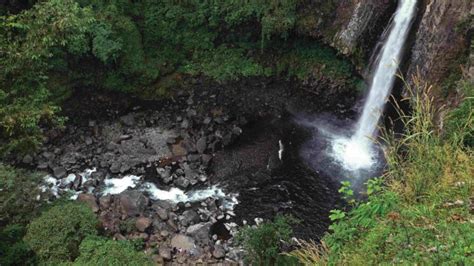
pixel 263 243
pixel 101 251
pixel 56 235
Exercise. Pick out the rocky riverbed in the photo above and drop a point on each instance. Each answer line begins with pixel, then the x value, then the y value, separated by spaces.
pixel 183 174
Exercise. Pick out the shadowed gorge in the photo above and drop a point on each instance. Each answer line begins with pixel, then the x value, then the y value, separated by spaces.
pixel 236 133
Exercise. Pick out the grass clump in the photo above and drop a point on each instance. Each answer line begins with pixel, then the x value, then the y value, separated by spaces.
pixel 422 214
pixel 55 236
pixel 263 243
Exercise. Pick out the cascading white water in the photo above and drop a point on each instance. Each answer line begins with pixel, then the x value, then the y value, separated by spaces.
pixel 357 152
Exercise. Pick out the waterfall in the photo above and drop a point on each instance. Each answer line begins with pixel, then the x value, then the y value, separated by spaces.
pixel 357 152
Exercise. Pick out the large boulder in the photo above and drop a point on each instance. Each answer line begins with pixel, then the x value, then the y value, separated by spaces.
pixel 143 223
pixel 89 200
pixel 183 243
pixel 132 203
pixel 200 232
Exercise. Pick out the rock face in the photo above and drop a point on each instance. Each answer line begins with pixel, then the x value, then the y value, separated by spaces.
pixel 360 24
pixel 353 27
pixel 441 39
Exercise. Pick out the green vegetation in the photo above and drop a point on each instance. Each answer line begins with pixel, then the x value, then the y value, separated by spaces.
pixel 459 123
pixel 55 236
pixel 101 251
pixel 13 250
pixel 33 44
pixel 263 243
pixel 308 57
pixel 19 189
pixel 423 213
pixel 141 47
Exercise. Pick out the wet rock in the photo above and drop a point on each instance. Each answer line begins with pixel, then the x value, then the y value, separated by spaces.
pixel 42 165
pixel 193 157
pixel 125 167
pixel 185 124
pixel 143 223
pixel 190 101
pixel 158 260
pixel 59 172
pixel 132 203
pixel 105 201
pixel 76 184
pixel 49 156
pixel 201 145
pixel 202 178
pixel 171 140
pixel 236 130
pixel 178 150
pixel 191 113
pixel 98 175
pixel 165 174
pixel 28 159
pixel 206 159
pixel 128 120
pixel 115 168
pixel 124 137
pixel 182 182
pixel 182 242
pixel 162 213
pixel 219 252
pixel 189 172
pixel 200 232
pixel 189 217
pixel 164 233
pixel 227 139
pixel 165 253
pixel 89 200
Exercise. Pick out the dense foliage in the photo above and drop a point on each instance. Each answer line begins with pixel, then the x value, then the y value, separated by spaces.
pixel 55 236
pixel 13 250
pixel 18 197
pixel 102 251
pixel 423 214
pixel 33 44
pixel 142 47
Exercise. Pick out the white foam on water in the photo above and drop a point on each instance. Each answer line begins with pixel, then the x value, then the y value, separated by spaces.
pixel 115 186
pixel 51 184
pixel 69 179
pixel 174 194
pixel 353 154
pixel 280 151
pixel 177 195
pixel 55 185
